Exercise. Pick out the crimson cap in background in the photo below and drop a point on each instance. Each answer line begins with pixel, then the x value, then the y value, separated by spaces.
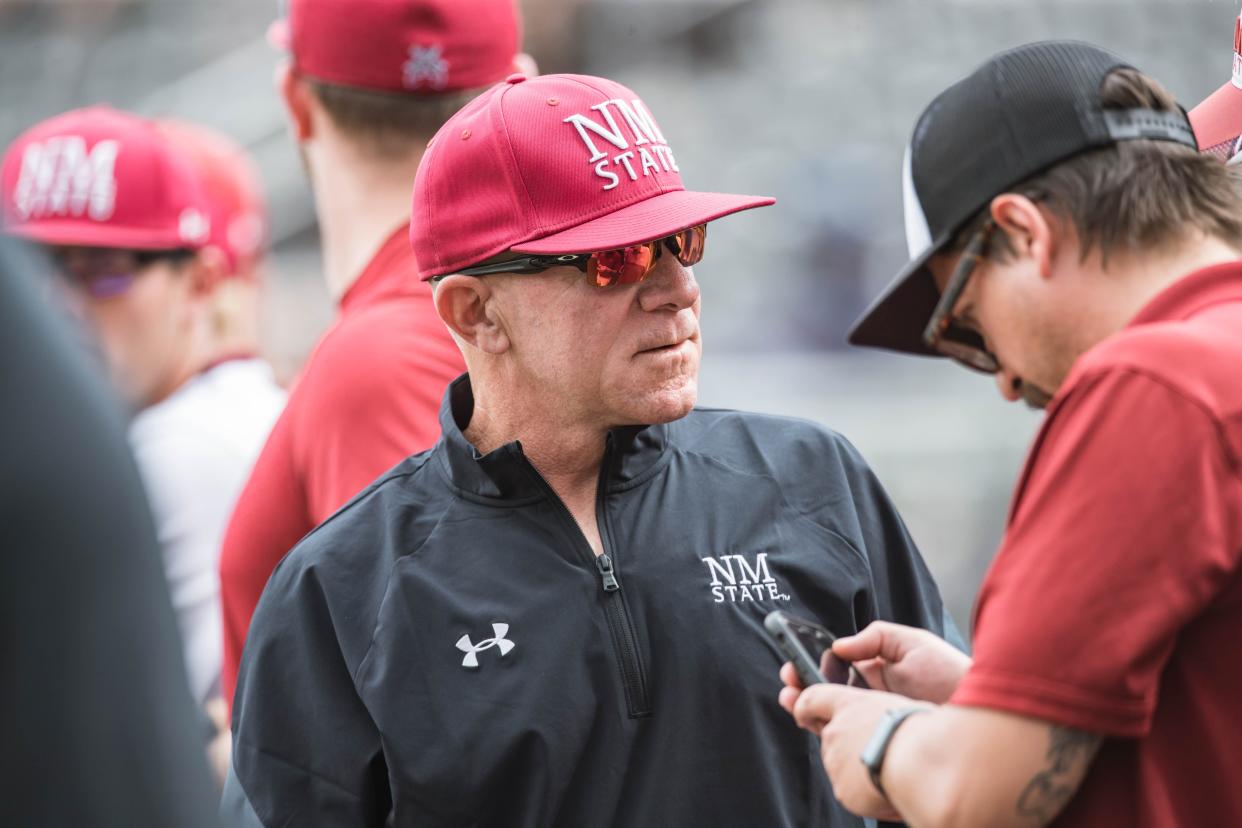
pixel 551 165
pixel 1218 119
pixel 417 46
pixel 98 177
pixel 231 186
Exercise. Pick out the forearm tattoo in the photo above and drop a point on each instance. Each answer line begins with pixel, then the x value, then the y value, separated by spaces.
pixel 1069 752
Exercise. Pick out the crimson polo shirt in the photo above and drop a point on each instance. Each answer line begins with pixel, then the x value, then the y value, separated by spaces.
pixel 1115 602
pixel 368 397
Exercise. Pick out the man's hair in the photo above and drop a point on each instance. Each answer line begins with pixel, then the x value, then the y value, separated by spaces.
pixel 1132 196
pixel 387 125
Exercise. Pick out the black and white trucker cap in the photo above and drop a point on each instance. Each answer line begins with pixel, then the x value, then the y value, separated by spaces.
pixel 1015 116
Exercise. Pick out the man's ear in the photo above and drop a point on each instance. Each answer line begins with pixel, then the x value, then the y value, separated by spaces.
pixel 1029 230
pixel 296 96
pixel 209 271
pixel 525 64
pixel 208 268
pixel 466 305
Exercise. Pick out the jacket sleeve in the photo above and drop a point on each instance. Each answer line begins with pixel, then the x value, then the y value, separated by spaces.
pixel 903 589
pixel 305 749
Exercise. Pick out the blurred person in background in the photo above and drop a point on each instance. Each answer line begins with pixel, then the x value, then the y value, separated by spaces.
pixel 226 410
pixel 123 218
pixel 555 616
pixel 100 729
pixel 1218 118
pixel 1068 237
pixel 365 87
pixel 121 207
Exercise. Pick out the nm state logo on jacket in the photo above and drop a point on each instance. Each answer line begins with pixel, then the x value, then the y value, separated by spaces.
pixel 735 579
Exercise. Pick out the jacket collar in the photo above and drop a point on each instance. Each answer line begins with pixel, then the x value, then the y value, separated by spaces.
pixel 635 455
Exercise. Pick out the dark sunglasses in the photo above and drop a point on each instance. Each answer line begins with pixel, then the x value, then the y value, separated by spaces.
pixel 605 268
pixel 943 333
pixel 105 273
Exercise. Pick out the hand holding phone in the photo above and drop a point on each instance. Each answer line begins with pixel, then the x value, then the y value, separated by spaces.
pixel 808 646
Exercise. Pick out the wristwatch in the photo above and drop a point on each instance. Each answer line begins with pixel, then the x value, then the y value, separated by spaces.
pixel 872 755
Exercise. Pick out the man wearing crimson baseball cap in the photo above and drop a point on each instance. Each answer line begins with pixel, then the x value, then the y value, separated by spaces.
pixel 125 220
pixel 555 616
pixel 123 216
pixel 366 85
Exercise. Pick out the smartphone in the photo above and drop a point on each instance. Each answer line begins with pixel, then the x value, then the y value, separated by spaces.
pixel 809 647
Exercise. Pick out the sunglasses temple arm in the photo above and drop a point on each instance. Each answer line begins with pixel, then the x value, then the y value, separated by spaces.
pixel 956 284
pixel 513 266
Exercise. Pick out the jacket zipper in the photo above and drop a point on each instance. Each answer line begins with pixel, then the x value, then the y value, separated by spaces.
pixel 620 626
pixel 633 676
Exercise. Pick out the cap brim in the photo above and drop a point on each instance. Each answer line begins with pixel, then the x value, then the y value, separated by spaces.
pixel 652 218
pixel 1219 117
pixel 278 34
pixel 91 234
pixel 896 320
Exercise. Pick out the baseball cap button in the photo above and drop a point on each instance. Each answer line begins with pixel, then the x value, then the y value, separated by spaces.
pixel 516 77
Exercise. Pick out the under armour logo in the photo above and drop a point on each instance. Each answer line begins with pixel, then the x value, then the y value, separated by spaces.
pixel 472 650
pixel 426 66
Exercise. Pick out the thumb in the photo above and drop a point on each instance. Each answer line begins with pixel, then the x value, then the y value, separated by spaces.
pixel 880 639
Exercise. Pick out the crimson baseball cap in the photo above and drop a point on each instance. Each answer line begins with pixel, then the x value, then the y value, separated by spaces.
pixel 1218 119
pixel 419 46
pixel 231 186
pixel 99 177
pixel 551 165
pixel 1018 114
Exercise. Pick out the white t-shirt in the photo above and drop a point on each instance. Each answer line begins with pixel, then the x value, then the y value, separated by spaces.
pixel 194 451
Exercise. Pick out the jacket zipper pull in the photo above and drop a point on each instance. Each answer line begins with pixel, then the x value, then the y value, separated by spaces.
pixel 604 564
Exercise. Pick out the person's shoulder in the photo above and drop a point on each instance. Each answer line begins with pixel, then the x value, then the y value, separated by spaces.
pixel 763 441
pixel 1196 362
pixel 376 337
pixel 182 431
pixel 339 574
pixel 379 524
pixel 366 362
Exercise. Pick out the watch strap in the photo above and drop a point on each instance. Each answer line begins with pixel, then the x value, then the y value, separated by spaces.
pixel 873 754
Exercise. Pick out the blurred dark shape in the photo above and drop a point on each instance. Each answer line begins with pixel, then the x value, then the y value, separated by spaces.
pixel 101 729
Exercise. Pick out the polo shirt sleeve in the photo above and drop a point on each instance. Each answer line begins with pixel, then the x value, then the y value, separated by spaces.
pixel 1122 531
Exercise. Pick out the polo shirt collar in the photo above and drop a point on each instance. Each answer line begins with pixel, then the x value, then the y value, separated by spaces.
pixel 1194 292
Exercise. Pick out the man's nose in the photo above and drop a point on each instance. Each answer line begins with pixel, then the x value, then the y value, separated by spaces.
pixel 671 286
pixel 1009 384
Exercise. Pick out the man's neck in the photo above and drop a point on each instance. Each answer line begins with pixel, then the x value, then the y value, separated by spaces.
pixel 1130 283
pixel 194 357
pixel 565 453
pixel 360 204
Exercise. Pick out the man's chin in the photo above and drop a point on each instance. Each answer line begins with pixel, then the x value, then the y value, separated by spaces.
pixel 663 406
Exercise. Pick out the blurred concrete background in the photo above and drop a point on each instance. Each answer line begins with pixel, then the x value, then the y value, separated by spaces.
pixel 811 101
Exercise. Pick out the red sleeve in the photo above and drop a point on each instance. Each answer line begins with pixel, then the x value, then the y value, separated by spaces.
pixel 1121 533
pixel 269 518
pixel 375 400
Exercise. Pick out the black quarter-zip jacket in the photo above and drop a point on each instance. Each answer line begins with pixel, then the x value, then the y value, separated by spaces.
pixel 448 650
